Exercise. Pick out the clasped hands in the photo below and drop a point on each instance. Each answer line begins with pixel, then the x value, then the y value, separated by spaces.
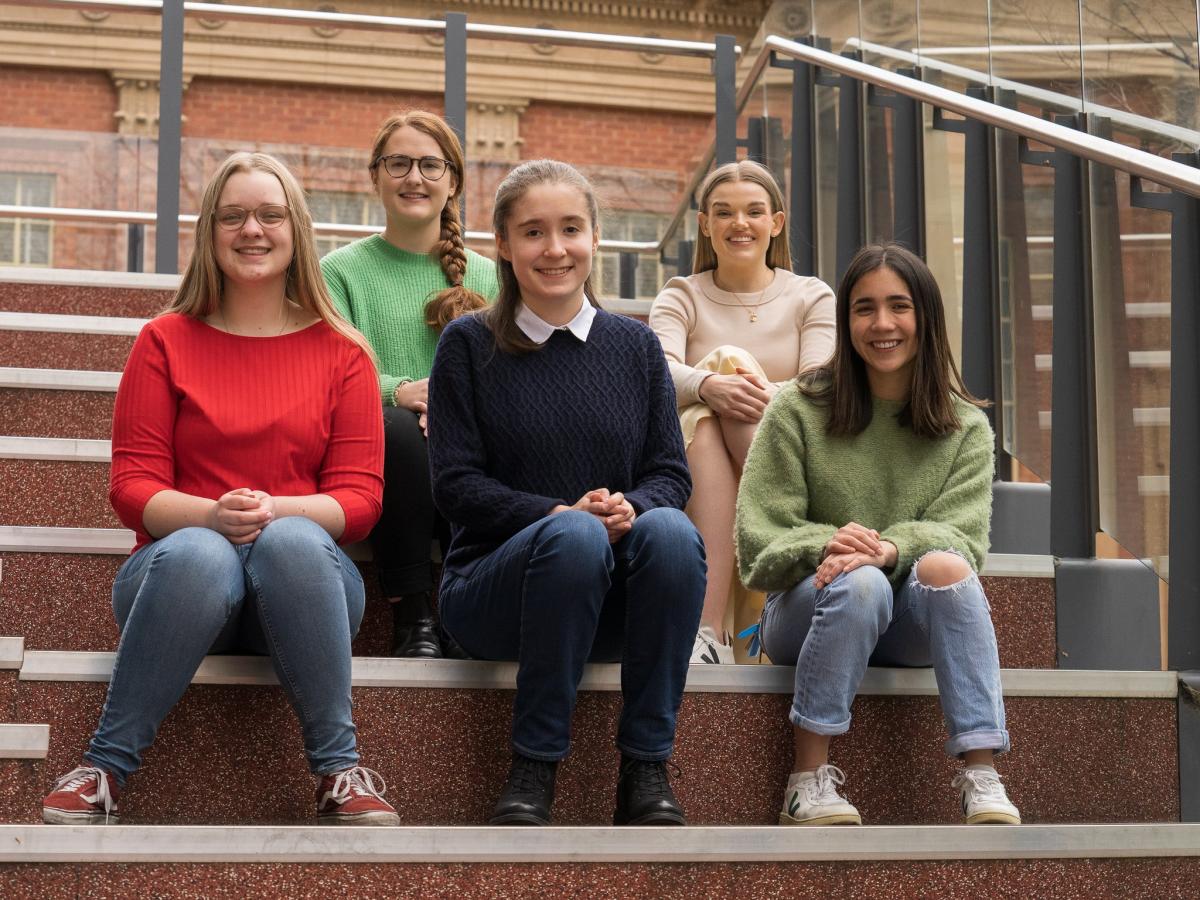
pixel 414 395
pixel 241 515
pixel 613 510
pixel 742 396
pixel 852 546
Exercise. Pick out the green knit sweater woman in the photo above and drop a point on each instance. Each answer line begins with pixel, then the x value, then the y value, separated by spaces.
pixel 399 289
pixel 864 507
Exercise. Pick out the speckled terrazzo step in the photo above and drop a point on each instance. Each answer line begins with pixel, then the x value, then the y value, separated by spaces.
pixel 81 293
pixel 63 351
pixel 56 413
pixel 62 601
pixel 444 748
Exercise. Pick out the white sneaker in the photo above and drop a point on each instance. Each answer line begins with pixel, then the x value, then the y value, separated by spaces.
pixel 708 649
pixel 811 798
pixel 984 801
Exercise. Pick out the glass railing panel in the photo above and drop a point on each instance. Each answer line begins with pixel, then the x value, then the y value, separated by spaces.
pixel 837 22
pixel 1038 44
pixel 954 33
pixel 1131 288
pixel 891 24
pixel 1141 59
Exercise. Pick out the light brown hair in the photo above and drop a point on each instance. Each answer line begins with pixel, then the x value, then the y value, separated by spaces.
pixel 202 285
pixel 501 317
pixel 451 252
pixel 843 384
pixel 779 255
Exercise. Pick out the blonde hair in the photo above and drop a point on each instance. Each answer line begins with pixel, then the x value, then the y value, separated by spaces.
pixel 457 299
pixel 779 256
pixel 201 288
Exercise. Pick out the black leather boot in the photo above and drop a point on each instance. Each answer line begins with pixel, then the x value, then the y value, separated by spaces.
pixel 414 630
pixel 528 794
pixel 644 795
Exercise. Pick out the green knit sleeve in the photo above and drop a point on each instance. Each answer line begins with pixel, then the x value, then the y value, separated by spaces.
pixel 777 546
pixel 960 516
pixel 481 276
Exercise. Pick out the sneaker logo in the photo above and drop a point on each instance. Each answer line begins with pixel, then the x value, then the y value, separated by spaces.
pixel 963 798
pixel 710 655
pixel 794 805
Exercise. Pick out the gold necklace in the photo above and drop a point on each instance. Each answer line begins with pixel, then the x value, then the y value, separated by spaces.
pixel 751 310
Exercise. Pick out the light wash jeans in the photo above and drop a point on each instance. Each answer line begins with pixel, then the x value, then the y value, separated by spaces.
pixel 291 594
pixel 833 634
pixel 557 594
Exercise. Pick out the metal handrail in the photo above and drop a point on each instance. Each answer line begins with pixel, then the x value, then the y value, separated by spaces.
pixel 356 21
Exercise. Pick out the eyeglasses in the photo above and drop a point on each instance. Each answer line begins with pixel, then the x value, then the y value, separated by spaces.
pixel 398 165
pixel 269 215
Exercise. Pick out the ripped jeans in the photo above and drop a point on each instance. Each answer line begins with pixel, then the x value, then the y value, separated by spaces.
pixel 832 635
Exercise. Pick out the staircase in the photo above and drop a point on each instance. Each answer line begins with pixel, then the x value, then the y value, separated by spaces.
pixel 223 805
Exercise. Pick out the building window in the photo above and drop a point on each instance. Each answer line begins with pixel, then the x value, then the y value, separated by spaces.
pixel 25 242
pixel 621 225
pixel 343 208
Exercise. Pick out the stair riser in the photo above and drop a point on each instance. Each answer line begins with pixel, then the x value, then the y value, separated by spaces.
pixel 75 300
pixel 63 601
pixel 65 414
pixel 445 753
pixel 48 350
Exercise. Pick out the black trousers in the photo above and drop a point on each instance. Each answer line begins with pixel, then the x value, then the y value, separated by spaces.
pixel 409 521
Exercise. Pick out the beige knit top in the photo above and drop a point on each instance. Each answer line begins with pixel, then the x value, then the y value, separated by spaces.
pixel 793 331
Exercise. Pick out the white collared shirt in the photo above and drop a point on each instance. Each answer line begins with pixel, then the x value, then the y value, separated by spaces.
pixel 539 330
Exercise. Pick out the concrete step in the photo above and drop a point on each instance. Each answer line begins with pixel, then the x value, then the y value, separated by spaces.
pixel 438 731
pixel 82 293
pixel 62 351
pixel 62 413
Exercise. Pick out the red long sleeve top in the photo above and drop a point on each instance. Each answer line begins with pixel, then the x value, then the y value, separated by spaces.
pixel 205 412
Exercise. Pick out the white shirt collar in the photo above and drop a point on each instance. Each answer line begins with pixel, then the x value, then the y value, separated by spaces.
pixel 539 330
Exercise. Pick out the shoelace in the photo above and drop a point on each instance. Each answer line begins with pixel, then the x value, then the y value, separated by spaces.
pixel 79 776
pixel 529 776
pixel 360 781
pixel 650 777
pixel 986 785
pixel 823 789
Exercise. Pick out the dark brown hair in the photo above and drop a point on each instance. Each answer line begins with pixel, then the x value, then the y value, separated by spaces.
pixel 501 317
pixel 457 299
pixel 843 384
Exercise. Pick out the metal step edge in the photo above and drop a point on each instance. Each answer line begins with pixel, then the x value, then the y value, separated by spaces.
pixel 24 741
pixel 56 323
pixel 55 449
pixel 436 845
pixel 369 671
pixel 58 379
pixel 49 539
pixel 89 278
pixel 12 652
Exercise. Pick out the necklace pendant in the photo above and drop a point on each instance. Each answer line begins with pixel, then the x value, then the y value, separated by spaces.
pixel 753 317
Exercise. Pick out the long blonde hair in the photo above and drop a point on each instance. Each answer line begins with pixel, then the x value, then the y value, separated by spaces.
pixel 456 299
pixel 201 288
pixel 779 256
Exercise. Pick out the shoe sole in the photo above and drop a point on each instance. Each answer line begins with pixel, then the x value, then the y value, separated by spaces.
pixel 526 819
pixel 62 817
pixel 662 819
pixel 367 819
pixel 993 818
pixel 841 819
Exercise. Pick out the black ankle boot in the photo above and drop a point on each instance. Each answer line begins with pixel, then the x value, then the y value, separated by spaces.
pixel 644 795
pixel 528 794
pixel 414 631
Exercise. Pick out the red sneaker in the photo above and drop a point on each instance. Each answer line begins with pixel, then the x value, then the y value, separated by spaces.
pixel 352 797
pixel 84 796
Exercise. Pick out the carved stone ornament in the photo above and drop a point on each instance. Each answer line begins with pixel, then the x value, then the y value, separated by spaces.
pixel 326 31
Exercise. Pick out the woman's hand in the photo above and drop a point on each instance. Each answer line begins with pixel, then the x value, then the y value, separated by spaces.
pixel 854 538
pixel 613 510
pixel 835 564
pixel 413 395
pixel 240 515
pixel 742 397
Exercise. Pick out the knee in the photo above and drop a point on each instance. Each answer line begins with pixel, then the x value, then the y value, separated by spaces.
pixel 199 550
pixel 574 532
pixel 292 537
pixel 865 594
pixel 667 530
pixel 940 569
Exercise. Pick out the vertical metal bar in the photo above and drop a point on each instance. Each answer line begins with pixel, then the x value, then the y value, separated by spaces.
pixel 1073 507
pixel 170 133
pixel 687 250
pixel 1188 712
pixel 454 86
pixel 725 77
pixel 850 170
pixel 979 274
pixel 908 177
pixel 803 191
pixel 628 274
pixel 135 247
pixel 756 139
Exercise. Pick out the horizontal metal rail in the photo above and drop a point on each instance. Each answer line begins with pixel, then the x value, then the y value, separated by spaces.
pixel 355 21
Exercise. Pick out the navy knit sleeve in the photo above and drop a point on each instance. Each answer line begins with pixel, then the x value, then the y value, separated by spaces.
pixel 462 490
pixel 662 476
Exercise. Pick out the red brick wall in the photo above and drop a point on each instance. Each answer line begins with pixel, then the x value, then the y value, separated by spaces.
pixel 260 111
pixel 57 98
pixel 640 139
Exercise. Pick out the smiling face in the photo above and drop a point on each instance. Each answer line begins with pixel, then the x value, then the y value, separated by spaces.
pixel 883 331
pixel 252 253
pixel 740 223
pixel 549 240
pixel 412 200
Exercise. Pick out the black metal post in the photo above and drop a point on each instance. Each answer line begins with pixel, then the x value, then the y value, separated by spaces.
pixel 850 174
pixel 802 192
pixel 135 247
pixel 170 136
pixel 756 139
pixel 908 170
pixel 454 86
pixel 725 78
pixel 628 263
pixel 686 251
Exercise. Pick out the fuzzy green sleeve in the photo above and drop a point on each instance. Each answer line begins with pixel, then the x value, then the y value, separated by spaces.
pixel 777 546
pixel 960 516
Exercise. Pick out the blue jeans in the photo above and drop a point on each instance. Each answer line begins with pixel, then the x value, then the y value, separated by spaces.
pixel 291 594
pixel 832 634
pixel 557 594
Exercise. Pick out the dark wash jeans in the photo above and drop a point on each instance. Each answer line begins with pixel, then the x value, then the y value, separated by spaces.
pixel 556 595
